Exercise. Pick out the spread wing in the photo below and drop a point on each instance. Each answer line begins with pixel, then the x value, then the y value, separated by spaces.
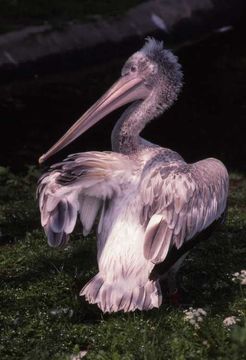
pixel 80 185
pixel 179 201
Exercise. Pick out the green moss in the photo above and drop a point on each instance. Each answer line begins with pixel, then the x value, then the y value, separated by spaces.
pixel 43 317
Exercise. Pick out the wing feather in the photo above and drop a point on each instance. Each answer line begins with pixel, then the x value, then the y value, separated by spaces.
pixel 89 207
pixel 179 202
pixel 80 184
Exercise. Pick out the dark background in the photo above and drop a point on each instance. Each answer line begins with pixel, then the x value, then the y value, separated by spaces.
pixel 38 102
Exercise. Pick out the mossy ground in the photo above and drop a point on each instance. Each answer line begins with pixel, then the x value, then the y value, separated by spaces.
pixel 43 317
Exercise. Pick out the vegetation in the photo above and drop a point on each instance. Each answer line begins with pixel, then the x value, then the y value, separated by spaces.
pixel 43 317
pixel 18 13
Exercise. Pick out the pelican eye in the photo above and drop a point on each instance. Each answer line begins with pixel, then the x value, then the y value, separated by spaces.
pixel 133 68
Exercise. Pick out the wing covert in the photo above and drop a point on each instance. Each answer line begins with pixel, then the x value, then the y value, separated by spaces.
pixel 80 184
pixel 179 201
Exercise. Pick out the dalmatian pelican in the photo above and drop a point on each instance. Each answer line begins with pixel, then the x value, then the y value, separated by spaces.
pixel 151 205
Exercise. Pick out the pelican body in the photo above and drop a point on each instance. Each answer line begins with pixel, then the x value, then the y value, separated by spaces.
pixel 152 206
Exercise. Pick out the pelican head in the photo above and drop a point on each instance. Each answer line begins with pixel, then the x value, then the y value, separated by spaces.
pixel 151 73
pixel 158 68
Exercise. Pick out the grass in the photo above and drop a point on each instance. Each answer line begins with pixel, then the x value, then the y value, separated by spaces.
pixel 15 14
pixel 42 316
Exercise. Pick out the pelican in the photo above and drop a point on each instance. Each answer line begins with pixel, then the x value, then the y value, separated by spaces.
pixel 152 205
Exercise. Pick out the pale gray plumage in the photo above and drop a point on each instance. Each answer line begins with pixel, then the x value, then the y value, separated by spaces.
pixel 188 201
pixel 149 200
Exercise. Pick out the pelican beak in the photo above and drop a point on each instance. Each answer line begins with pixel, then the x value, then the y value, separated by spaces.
pixel 127 89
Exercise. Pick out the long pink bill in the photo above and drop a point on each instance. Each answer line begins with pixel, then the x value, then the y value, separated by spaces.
pixel 125 90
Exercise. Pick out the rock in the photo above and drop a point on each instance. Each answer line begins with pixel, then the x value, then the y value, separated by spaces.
pixel 34 43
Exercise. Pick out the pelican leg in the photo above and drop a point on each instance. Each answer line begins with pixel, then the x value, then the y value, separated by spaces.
pixel 169 281
pixel 172 275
